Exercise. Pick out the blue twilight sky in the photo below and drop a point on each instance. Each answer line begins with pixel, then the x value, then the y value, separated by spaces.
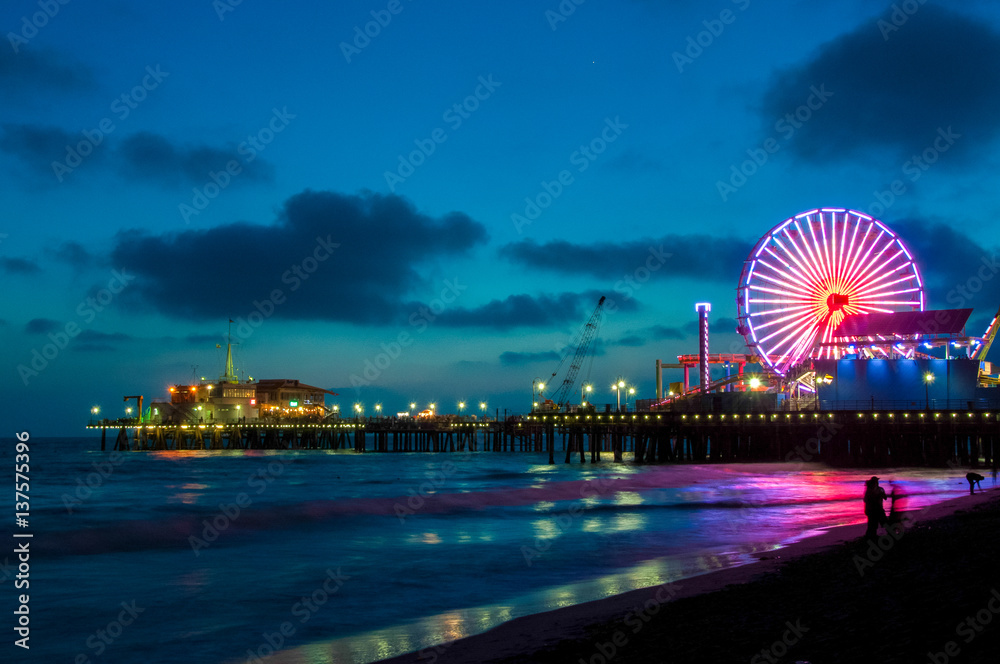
pixel 466 179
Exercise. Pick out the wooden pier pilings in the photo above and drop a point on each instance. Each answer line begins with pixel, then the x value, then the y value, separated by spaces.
pixel 843 438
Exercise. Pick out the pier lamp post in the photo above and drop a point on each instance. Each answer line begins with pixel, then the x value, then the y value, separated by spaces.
pixel 617 387
pixel 461 408
pixel 378 410
pixel 413 406
pixel 928 379
pixel 584 394
pixel 541 386
pixel 94 411
pixel 631 395
pixel 432 407
pixel 358 410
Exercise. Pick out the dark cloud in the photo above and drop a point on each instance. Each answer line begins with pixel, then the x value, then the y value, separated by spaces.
pixel 510 358
pixel 894 89
pixel 19 266
pixel 151 157
pixel 36 146
pixel 141 157
pixel 689 330
pixel 203 339
pixel 718 326
pixel 705 256
pixel 93 347
pixel 633 161
pixel 385 246
pixel 529 311
pixel 33 69
pixel 74 254
pixel 93 336
pixel 958 269
pixel 42 326
pixel 629 340
pixel 661 332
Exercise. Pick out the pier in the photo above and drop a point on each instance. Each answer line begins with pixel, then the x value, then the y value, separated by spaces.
pixel 841 438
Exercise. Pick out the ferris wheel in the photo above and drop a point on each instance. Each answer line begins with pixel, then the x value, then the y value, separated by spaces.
pixel 809 272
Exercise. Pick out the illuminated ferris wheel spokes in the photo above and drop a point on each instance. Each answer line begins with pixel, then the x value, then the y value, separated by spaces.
pixel 810 272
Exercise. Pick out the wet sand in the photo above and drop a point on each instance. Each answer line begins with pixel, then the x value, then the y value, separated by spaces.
pixel 929 594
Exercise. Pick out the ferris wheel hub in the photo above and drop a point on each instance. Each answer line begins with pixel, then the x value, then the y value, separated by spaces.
pixel 836 302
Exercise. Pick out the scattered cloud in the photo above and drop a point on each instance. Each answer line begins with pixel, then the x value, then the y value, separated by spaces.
pixel 633 161
pixel 629 340
pixel 139 157
pixel 670 255
pixel 646 335
pixel 894 89
pixel 958 270
pixel 42 326
pixel 151 157
pixel 74 254
pixel 544 310
pixel 661 332
pixel 36 146
pixel 41 69
pixel 104 337
pixel 19 266
pixel 336 257
pixel 510 358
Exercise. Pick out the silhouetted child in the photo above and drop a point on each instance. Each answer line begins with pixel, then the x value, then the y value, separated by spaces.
pixel 896 519
pixel 974 478
pixel 874 495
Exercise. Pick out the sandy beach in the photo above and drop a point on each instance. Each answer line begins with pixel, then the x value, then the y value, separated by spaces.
pixel 929 593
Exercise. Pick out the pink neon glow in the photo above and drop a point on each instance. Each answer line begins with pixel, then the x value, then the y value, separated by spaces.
pixel 811 271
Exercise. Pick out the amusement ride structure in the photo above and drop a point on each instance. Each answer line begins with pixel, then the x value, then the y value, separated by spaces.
pixel 810 272
pixel 827 285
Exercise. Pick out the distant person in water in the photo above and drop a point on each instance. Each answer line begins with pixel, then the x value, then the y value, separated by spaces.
pixel 874 495
pixel 974 478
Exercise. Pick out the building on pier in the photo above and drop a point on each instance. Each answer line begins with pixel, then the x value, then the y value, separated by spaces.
pixel 285 397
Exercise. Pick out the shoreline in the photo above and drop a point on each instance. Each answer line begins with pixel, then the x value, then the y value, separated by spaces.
pixel 562 634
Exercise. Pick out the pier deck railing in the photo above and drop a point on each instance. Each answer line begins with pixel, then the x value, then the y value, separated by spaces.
pixel 861 437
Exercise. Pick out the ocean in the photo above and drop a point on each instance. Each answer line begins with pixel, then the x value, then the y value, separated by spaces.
pixel 332 556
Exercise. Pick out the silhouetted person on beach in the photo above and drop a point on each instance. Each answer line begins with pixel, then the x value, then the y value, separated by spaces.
pixel 897 522
pixel 874 495
pixel 974 478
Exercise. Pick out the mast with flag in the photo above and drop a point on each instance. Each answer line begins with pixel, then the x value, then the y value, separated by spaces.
pixel 230 375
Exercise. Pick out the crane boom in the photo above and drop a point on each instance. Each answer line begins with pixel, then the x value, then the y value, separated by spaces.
pixel 582 350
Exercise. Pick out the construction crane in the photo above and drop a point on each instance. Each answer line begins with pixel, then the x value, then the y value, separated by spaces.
pixel 587 337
